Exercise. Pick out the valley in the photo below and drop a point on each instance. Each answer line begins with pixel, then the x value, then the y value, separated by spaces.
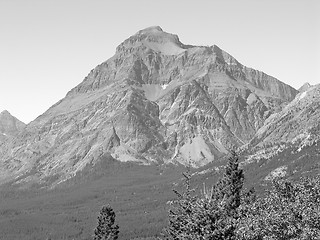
pixel 138 195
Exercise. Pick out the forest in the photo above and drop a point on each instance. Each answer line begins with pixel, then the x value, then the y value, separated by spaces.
pixel 227 211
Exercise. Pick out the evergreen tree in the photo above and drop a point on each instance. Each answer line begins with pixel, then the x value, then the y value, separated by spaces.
pixel 228 192
pixel 212 215
pixel 106 230
pixel 220 207
pixel 181 212
pixel 230 186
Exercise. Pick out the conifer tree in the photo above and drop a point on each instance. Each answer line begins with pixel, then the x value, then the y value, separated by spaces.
pixel 221 207
pixel 106 230
pixel 212 215
pixel 181 212
pixel 228 192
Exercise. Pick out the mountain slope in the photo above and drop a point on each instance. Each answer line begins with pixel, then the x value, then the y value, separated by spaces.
pixel 155 101
pixel 288 142
pixel 297 122
pixel 9 125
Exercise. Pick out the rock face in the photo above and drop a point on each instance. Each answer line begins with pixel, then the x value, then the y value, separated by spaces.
pixel 155 101
pixel 296 125
pixel 9 125
pixel 288 144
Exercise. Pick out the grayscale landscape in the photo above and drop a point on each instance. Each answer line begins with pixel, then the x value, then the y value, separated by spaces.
pixel 165 139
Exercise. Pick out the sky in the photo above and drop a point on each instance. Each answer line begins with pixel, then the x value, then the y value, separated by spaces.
pixel 47 47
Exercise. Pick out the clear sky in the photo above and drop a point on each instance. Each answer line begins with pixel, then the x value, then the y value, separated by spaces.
pixel 47 47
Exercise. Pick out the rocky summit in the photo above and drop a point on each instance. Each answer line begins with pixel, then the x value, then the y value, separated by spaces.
pixel 156 101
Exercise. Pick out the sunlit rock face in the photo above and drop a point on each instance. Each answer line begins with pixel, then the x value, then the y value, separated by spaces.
pixel 155 101
pixel 296 126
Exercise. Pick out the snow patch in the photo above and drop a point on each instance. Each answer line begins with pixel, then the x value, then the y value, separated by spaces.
pixel 164 86
pixel 155 91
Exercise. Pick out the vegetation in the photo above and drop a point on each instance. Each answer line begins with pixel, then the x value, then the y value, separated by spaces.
pixel 106 229
pixel 214 214
pixel 133 191
pixel 288 211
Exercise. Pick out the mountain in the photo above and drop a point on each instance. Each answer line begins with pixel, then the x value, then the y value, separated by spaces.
pixel 297 122
pixel 288 142
pixel 115 137
pixel 9 125
pixel 155 101
pixel 304 87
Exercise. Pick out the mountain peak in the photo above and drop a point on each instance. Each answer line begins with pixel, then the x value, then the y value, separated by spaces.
pixel 152 29
pixel 156 39
pixel 5 112
pixel 156 34
pixel 304 87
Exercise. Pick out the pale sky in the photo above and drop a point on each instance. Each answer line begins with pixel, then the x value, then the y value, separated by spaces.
pixel 47 47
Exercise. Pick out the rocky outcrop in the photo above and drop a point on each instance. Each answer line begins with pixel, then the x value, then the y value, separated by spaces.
pixel 155 101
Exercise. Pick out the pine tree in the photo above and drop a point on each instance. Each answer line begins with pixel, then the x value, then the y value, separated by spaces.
pixel 214 214
pixel 231 185
pixel 181 212
pixel 106 230
pixel 221 206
